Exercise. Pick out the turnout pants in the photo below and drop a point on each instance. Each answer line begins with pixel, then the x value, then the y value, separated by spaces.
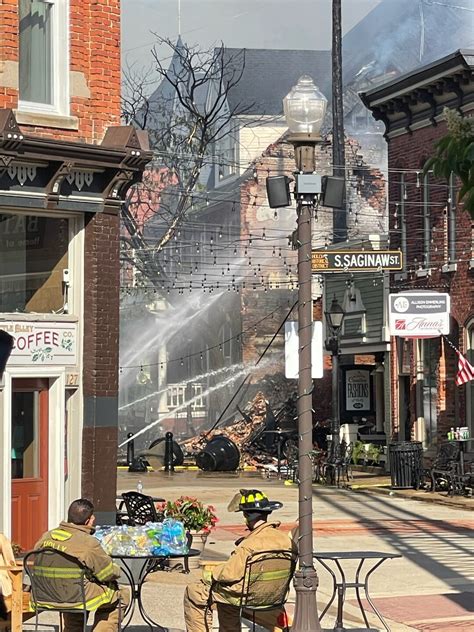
pixel 106 618
pixel 198 606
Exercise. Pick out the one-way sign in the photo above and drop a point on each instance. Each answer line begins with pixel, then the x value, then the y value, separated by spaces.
pixel 356 260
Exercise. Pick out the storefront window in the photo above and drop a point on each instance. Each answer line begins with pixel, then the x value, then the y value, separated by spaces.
pixel 430 351
pixel 34 254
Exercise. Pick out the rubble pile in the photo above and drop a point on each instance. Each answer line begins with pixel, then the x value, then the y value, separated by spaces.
pixel 242 433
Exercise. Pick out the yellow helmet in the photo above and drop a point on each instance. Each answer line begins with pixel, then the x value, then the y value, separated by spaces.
pixel 253 500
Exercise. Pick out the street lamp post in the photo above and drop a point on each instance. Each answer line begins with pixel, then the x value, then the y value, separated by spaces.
pixel 334 319
pixel 304 108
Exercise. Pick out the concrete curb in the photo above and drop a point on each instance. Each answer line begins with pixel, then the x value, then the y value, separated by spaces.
pixel 376 489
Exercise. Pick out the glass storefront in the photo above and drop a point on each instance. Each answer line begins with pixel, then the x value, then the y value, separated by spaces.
pixel 34 255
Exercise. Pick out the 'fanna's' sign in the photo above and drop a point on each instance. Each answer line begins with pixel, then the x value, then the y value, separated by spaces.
pixel 419 314
pixel 40 343
pixel 356 260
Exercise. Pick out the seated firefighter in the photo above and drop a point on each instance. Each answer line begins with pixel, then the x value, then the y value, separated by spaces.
pixel 222 588
pixel 74 538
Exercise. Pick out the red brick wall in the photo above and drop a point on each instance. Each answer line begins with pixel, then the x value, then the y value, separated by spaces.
pixel 94 51
pixel 101 300
pixel 100 359
pixel 410 151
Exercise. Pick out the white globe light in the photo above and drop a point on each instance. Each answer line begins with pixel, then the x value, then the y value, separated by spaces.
pixel 304 107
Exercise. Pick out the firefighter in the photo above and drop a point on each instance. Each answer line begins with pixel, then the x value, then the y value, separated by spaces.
pixel 75 538
pixel 227 578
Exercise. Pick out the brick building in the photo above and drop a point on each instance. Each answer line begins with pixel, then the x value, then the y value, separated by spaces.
pixel 65 166
pixel 436 236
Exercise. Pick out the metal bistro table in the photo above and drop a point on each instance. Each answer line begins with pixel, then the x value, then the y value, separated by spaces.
pixel 136 586
pixel 361 580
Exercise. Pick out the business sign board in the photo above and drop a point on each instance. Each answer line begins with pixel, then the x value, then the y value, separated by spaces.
pixel 356 260
pixel 419 314
pixel 356 391
pixel 292 350
pixel 40 343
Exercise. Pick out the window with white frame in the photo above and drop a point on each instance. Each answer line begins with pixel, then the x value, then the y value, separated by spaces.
pixel 227 154
pixel 44 56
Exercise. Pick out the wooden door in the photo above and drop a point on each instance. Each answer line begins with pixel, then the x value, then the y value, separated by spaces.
pixel 29 460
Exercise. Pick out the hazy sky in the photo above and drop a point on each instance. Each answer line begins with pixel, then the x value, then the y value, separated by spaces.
pixel 289 24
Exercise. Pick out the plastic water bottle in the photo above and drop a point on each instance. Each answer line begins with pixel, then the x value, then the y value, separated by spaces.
pixel 140 487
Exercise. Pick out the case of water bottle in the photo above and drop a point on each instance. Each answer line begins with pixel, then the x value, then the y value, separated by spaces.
pixel 154 538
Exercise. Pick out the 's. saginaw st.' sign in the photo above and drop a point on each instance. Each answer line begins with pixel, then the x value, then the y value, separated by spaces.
pixel 355 260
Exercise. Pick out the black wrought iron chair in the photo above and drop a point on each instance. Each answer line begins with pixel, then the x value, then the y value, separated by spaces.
pixel 345 470
pixel 43 566
pixel 334 464
pixel 258 593
pixel 445 468
pixel 266 584
pixel 140 509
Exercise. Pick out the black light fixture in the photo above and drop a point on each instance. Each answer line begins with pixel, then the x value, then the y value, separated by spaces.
pixel 335 316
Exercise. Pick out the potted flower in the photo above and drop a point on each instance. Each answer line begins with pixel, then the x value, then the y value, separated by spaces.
pixel 198 519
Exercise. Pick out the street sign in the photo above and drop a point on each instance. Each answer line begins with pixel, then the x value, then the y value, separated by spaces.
pixel 355 260
pixel 292 350
pixel 419 314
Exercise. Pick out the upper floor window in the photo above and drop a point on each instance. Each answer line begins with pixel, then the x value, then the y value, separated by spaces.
pixel 44 56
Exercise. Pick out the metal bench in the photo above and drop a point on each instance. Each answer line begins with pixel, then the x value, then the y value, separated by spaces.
pixel 445 468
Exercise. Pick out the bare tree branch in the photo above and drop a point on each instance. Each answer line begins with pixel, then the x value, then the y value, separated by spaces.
pixel 186 118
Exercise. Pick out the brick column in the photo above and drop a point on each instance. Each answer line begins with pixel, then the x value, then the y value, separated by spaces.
pixel 101 356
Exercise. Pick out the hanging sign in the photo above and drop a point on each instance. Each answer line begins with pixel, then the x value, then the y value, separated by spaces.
pixel 356 391
pixel 42 343
pixel 419 314
pixel 356 260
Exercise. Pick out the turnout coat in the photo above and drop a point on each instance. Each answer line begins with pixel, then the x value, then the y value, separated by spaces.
pixel 264 585
pixel 76 541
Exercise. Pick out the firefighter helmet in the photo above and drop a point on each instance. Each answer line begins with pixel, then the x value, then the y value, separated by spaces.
pixel 253 500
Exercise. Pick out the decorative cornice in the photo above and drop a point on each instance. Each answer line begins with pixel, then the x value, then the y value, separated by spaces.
pixel 62 169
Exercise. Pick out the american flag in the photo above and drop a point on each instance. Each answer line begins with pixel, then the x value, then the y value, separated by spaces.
pixel 465 370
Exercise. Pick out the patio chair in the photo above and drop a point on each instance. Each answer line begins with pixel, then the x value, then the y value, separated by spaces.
pixel 46 564
pixel 331 469
pixel 445 467
pixel 140 509
pixel 259 595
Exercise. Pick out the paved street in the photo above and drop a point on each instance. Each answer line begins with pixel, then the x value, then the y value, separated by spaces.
pixel 429 588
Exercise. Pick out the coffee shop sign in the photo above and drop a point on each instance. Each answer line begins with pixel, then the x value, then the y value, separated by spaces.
pixel 42 343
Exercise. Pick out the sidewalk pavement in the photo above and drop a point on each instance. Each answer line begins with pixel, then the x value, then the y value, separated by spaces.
pixel 381 484
pixel 429 588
